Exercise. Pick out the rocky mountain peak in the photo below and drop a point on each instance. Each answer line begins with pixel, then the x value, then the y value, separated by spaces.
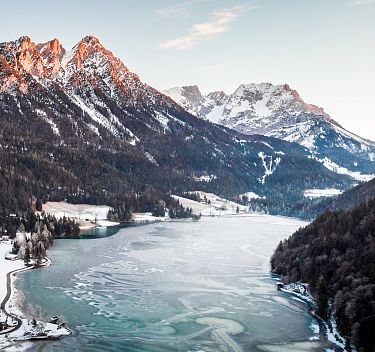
pixel 89 64
pixel 23 43
pixel 91 40
pixel 53 46
pixel 52 53
pixel 277 111
pixel 90 55
pixel 22 56
pixel 193 92
pixel 88 47
pixel 219 97
pixel 265 100
pixel 189 97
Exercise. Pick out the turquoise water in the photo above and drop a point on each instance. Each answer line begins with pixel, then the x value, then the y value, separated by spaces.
pixel 174 286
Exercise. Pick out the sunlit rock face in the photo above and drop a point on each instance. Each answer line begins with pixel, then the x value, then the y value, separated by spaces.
pixel 52 53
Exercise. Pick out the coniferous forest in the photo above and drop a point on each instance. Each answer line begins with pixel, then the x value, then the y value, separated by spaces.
pixel 335 255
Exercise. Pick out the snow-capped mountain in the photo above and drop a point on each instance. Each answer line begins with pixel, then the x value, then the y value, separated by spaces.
pixel 279 111
pixel 80 122
pixel 89 76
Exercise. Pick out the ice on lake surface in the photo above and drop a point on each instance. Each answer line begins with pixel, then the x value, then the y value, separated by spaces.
pixel 175 286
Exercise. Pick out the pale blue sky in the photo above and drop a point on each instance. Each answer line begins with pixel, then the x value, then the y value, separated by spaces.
pixel 325 49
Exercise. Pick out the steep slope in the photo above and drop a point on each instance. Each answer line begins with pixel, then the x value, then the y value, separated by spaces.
pixel 279 111
pixel 78 124
pixel 335 255
pixel 349 199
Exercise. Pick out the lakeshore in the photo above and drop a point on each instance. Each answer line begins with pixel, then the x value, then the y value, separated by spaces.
pixel 18 330
pixel 173 286
pixel 21 329
pixel 18 339
pixel 327 330
pixel 87 216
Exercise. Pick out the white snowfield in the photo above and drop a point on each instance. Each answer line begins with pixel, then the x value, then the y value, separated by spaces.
pixel 88 216
pixel 140 218
pixel 215 206
pixel 316 193
pixel 269 164
pixel 81 211
pixel 205 178
pixel 251 195
pixel 356 175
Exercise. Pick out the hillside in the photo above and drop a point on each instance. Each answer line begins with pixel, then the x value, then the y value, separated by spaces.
pixel 335 255
pixel 349 199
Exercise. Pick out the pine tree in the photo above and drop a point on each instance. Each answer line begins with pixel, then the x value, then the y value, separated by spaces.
pixel 27 256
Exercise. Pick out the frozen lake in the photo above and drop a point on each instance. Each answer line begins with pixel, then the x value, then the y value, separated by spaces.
pixel 174 286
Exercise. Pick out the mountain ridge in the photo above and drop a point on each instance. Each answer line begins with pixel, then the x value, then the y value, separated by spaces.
pixel 279 111
pixel 89 128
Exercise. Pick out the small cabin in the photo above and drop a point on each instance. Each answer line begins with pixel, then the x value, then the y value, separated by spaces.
pixel 280 285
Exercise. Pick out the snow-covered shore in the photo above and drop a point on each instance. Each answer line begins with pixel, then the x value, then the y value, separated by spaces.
pixel 330 331
pixel 20 330
pixel 146 218
pixel 92 216
pixel 7 266
pixel 86 215
pixel 212 205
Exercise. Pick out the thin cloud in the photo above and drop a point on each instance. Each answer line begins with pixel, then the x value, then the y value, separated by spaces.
pixel 176 10
pixel 361 2
pixel 221 22
pixel 169 11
